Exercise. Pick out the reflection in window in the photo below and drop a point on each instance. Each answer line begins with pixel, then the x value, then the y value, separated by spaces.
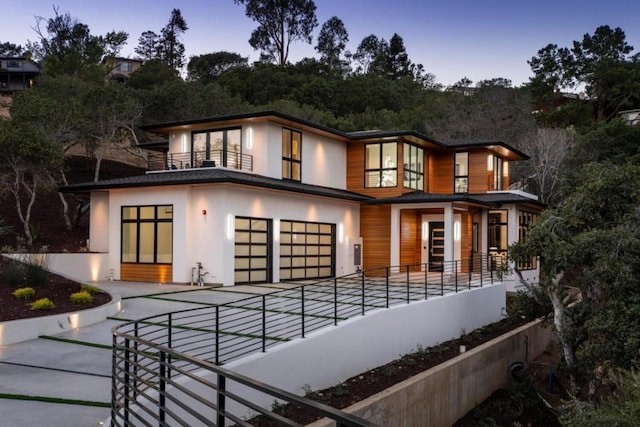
pixel 495 165
pixel 291 158
pixel 381 165
pixel 220 147
pixel 461 173
pixel 413 167
pixel 147 234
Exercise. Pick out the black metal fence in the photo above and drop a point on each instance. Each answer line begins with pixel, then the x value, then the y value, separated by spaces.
pixel 154 355
pixel 199 159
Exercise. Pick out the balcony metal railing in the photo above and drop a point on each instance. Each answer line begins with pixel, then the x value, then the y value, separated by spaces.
pixel 152 354
pixel 199 159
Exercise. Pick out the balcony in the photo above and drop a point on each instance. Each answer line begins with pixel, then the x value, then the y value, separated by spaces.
pixel 200 159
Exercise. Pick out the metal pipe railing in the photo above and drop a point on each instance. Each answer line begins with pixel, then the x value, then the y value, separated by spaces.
pixel 256 323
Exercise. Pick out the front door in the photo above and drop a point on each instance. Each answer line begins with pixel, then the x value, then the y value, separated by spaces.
pixel 436 245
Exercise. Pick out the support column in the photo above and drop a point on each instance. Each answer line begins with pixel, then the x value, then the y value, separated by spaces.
pixel 448 233
pixel 394 258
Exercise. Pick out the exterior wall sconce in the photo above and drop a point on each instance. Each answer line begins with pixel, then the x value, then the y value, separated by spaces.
pixel 490 162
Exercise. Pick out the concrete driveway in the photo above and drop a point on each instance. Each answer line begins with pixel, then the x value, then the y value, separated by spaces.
pixel 65 380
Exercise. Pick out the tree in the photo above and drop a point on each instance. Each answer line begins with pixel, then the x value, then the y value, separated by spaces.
pixel 166 46
pixel 209 67
pixel 332 42
pixel 368 51
pixel 589 249
pixel 66 46
pixel 10 49
pixel 548 148
pixel 280 22
pixel 152 73
pixel 398 64
pixel 602 62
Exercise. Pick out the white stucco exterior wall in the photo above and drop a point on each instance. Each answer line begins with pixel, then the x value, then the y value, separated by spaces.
pixel 99 221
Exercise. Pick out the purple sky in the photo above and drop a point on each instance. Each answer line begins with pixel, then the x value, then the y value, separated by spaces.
pixel 479 39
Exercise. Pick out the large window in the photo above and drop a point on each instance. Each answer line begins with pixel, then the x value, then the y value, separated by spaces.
pixel 413 167
pixel 381 165
pixel 461 173
pixel 526 220
pixel 498 239
pixel 147 234
pixel 220 147
pixel 291 154
pixel 252 250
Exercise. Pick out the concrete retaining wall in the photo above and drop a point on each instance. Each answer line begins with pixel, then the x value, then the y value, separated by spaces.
pixel 82 267
pixel 445 393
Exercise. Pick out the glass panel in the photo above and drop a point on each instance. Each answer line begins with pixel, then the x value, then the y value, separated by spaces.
pixel 312 261
pixel 372 156
pixel 285 225
pixel 389 178
pixel 372 179
pixel 216 140
pixel 312 272
pixel 325 240
pixel 129 213
pixel 286 169
pixel 258 225
pixel 312 250
pixel 285 262
pixel 325 260
pixel 241 276
pixel 462 162
pixel 242 250
pixel 259 237
pixel 295 145
pixel 242 263
pixel 324 272
pixel 165 242
pixel 390 154
pixel 295 173
pixel 312 239
pixel 297 274
pixel 313 227
pixel 148 212
pixel 199 142
pixel 325 228
pixel 242 236
pixel 242 223
pixel 165 212
pixel 285 238
pixel 285 274
pixel 260 250
pixel 258 276
pixel 234 140
pixel 129 246
pixel 298 262
pixel 286 143
pixel 325 250
pixel 299 250
pixel 462 185
pixel 147 237
pixel 258 263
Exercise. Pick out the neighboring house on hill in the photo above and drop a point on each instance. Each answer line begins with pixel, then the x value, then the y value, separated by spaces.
pixel 631 117
pixel 17 74
pixel 120 69
pixel 266 197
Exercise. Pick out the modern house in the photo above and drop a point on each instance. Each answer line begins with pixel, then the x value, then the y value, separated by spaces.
pixel 120 69
pixel 267 197
pixel 17 74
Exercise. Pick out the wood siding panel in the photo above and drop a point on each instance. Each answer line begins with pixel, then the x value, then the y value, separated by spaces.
pixel 442 182
pixel 156 273
pixel 478 175
pixel 375 229
pixel 410 238
pixel 466 231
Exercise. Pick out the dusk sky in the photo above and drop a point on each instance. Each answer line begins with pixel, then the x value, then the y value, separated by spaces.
pixel 479 39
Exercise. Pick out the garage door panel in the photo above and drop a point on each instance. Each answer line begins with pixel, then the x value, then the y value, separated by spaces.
pixel 307 250
pixel 252 250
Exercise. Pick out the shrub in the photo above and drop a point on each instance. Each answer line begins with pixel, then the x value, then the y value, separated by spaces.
pixel 24 293
pixel 82 297
pixel 42 304
pixel 36 270
pixel 88 288
pixel 16 274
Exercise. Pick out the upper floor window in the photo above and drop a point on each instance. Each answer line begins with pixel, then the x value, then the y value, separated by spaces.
pixel 14 64
pixel 291 154
pixel 126 67
pixel 497 168
pixel 221 147
pixel 381 165
pixel 461 173
pixel 413 167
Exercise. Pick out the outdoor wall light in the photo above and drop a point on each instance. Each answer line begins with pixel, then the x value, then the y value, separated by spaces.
pixel 505 168
pixel 249 138
pixel 490 162
pixel 456 231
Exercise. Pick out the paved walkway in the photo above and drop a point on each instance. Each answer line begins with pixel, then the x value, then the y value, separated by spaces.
pixel 75 366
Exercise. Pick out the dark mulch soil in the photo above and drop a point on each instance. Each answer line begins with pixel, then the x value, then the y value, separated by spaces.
pixel 58 289
pixel 371 382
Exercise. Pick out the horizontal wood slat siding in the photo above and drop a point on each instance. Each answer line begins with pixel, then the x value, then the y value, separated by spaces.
pixel 442 173
pixel 478 174
pixel 375 223
pixel 466 225
pixel 157 273
pixel 410 238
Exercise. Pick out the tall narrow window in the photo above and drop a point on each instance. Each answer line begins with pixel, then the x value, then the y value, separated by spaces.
pixel 461 173
pixel 413 167
pixel 497 239
pixel 147 234
pixel 381 165
pixel 526 220
pixel 495 165
pixel 291 154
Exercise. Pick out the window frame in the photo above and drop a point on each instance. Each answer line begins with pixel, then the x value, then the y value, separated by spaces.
pixel 138 221
pixel 221 156
pixel 526 220
pixel 413 178
pixel 289 162
pixel 499 251
pixel 457 177
pixel 384 172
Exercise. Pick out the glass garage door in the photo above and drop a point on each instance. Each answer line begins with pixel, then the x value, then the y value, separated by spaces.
pixel 252 254
pixel 307 250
